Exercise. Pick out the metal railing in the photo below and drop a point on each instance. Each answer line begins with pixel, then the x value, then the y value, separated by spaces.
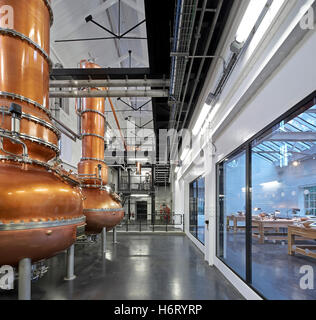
pixel 157 223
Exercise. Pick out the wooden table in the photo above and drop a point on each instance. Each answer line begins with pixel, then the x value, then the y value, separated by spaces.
pixel 305 233
pixel 269 224
pixel 235 220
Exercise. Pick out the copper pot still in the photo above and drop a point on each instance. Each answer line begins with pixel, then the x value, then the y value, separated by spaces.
pixel 101 207
pixel 41 206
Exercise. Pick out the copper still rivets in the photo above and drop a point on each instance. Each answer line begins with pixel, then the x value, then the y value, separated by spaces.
pixel 49 232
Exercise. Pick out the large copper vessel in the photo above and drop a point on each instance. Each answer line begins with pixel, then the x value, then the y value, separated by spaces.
pixel 41 205
pixel 101 206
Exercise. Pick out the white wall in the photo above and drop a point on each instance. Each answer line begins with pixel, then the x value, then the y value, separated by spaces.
pixel 235 120
pixel 70 151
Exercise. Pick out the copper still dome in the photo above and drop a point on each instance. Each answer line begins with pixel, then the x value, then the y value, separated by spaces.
pixel 41 206
pixel 102 207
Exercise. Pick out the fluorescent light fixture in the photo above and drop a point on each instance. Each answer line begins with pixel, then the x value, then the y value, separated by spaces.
pixel 139 195
pixel 138 159
pixel 204 112
pixel 185 152
pixel 271 185
pixel 249 19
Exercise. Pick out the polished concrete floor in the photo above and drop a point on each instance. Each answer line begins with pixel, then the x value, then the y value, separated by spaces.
pixel 140 267
pixel 276 275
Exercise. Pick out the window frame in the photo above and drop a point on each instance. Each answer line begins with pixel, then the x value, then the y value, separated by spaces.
pixel 293 112
pixel 196 180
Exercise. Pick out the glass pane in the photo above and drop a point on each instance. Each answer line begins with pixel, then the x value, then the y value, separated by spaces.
pixel 197 199
pixel 283 198
pixel 193 210
pixel 232 220
pixel 201 216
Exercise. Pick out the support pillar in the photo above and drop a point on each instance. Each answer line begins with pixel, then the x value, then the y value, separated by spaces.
pixel 25 271
pixel 70 263
pixel 129 208
pixel 114 235
pixel 104 240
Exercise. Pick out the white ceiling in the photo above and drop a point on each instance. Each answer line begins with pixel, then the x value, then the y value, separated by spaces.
pixel 69 23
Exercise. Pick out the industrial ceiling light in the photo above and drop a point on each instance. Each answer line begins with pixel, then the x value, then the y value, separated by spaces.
pixel 247 24
pixel 249 19
pixel 139 195
pixel 185 152
pixel 204 112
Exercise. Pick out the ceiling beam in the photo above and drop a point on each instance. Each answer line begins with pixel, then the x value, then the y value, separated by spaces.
pixel 293 136
pixel 155 83
pixel 108 93
pixel 103 73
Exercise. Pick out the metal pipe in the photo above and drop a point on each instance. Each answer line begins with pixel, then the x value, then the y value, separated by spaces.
pixel 208 42
pixel 103 240
pixel 109 93
pixel 25 271
pixel 118 124
pixel 114 235
pixel 70 263
pixel 235 57
pixel 15 140
pixel 108 83
pixel 117 165
pixel 197 38
pixel 66 128
pixel 199 28
pixel 66 163
pixel 210 57
pixel 74 139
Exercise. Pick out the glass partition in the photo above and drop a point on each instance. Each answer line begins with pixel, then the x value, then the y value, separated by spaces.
pixel 193 211
pixel 197 209
pixel 283 198
pixel 201 210
pixel 232 218
pixel 266 207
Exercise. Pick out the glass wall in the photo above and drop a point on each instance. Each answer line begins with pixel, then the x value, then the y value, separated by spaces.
pixel 193 208
pixel 197 209
pixel 278 209
pixel 232 218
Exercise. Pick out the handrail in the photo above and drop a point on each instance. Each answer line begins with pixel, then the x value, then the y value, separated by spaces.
pixel 151 225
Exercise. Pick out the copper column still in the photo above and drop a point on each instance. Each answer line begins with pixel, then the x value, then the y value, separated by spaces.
pixel 102 207
pixel 41 205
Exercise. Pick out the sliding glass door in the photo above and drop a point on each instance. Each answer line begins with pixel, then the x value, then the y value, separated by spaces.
pixel 283 198
pixel 266 207
pixel 231 208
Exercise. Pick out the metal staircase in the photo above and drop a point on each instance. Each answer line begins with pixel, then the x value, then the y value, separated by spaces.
pixel 162 174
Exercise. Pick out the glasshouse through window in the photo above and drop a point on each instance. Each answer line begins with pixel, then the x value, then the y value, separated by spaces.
pixel 267 232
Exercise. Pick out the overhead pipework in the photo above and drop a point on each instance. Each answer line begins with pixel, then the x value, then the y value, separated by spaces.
pixel 102 207
pixel 41 208
pixel 156 83
pixel 185 15
pixel 109 94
